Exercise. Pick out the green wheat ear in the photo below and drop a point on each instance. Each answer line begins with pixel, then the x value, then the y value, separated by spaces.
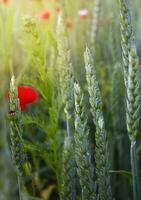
pixel 68 190
pixel 118 104
pixel 133 115
pixel 126 34
pixel 133 94
pixel 118 100
pixel 19 157
pixel 83 157
pixel 68 171
pixel 101 155
pixel 65 69
pixel 130 65
pixel 17 148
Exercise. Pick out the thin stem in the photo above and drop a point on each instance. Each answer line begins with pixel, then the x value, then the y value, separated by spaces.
pixel 83 195
pixel 134 170
pixel 68 128
pixel 20 187
pixel 68 121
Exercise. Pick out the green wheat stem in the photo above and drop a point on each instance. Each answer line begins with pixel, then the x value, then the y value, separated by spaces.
pixel 68 129
pixel 20 187
pixel 101 155
pixel 83 157
pixel 134 168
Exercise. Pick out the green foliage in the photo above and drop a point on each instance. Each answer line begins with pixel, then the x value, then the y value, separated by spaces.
pixel 122 172
pixel 45 81
pixel 72 153
pixel 83 157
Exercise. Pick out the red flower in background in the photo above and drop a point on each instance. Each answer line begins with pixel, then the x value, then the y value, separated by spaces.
pixel 140 66
pixel 83 14
pixel 44 15
pixel 27 95
pixel 5 2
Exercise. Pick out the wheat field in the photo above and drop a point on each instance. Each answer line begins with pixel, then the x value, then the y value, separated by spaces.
pixel 70 100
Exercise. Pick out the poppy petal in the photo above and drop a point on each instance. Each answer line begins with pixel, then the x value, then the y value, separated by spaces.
pixel 27 94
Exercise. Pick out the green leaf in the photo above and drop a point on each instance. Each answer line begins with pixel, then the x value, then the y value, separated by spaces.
pixel 125 173
pixel 35 147
pixel 35 120
pixel 52 39
pixel 27 197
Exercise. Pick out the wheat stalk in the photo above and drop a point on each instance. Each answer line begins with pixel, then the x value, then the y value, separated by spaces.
pixel 133 108
pixel 126 33
pixel 101 156
pixel 65 69
pixel 130 61
pixel 68 189
pixel 85 168
pixel 118 99
pixel 17 148
pixel 68 171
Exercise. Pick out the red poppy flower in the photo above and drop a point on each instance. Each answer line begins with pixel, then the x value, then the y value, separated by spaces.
pixel 44 15
pixel 27 95
pixel 140 66
pixel 83 14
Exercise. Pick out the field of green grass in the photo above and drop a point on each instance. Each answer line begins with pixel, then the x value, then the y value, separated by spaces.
pixel 70 100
